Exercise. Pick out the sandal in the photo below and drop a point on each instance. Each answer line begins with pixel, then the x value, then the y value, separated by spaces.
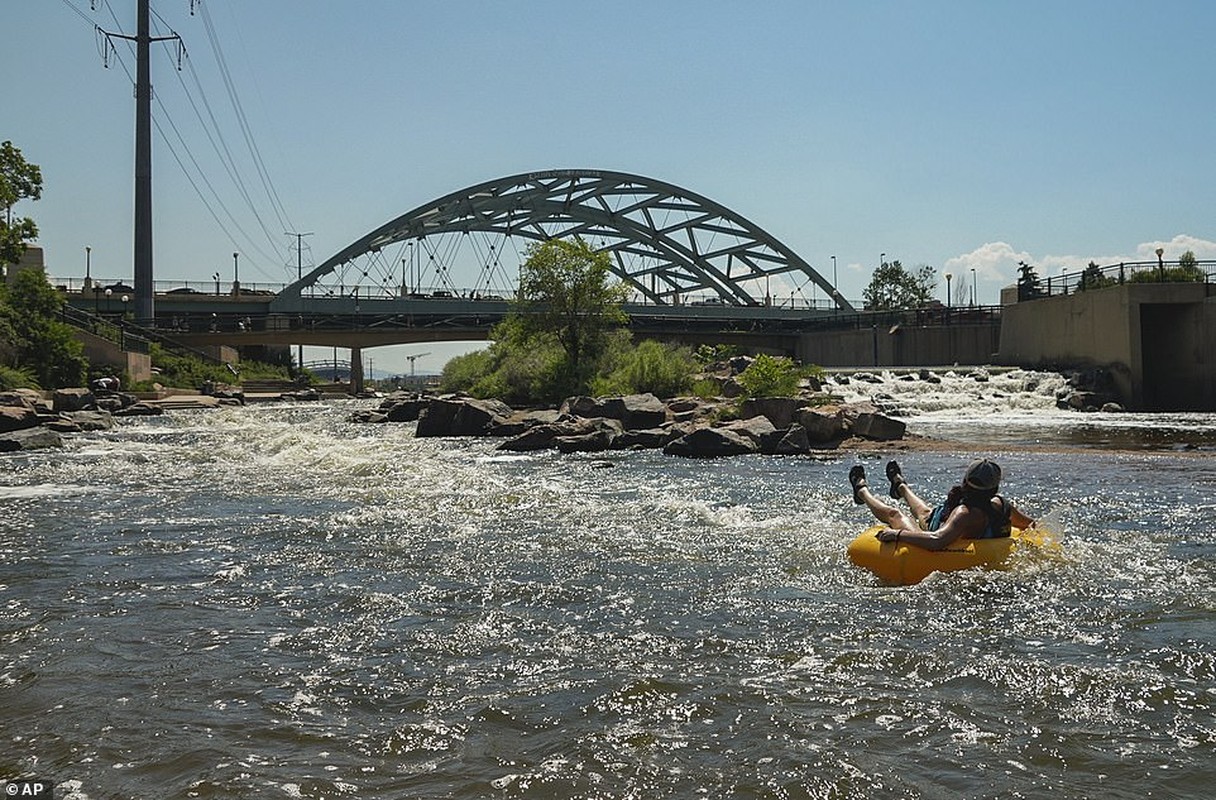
pixel 896 477
pixel 857 479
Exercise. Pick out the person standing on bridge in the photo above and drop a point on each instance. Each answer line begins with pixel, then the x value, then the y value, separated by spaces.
pixel 972 510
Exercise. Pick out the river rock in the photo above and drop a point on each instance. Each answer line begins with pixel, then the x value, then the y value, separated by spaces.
pixel 711 443
pixel 778 410
pixel 520 421
pixel 27 398
pixel 16 418
pixel 72 399
pixel 756 428
pixel 594 442
pixel 645 439
pixel 545 435
pixel 820 427
pixel 140 409
pixel 29 439
pixel 793 442
pixel 633 410
pixel 879 427
pixel 92 420
pixel 369 415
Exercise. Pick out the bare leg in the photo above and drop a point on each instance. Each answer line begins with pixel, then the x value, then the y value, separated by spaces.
pixel 920 509
pixel 901 489
pixel 887 514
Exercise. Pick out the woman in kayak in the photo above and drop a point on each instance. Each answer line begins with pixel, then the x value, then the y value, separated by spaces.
pixel 973 509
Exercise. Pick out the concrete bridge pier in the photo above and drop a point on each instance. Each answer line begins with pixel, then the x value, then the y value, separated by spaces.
pixel 356 370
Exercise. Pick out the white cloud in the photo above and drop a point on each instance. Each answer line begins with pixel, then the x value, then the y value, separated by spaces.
pixel 992 261
pixel 1202 248
pixel 998 261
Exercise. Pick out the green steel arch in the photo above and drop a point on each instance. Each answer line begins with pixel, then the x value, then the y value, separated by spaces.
pixel 665 241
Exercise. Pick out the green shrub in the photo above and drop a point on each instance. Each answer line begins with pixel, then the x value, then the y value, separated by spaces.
pixel 661 369
pixel 17 378
pixel 770 376
pixel 1183 274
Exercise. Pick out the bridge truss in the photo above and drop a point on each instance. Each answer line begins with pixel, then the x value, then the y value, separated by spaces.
pixel 669 245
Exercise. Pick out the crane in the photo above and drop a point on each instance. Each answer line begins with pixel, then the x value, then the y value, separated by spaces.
pixel 413 358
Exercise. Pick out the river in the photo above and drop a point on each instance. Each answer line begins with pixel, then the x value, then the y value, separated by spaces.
pixel 270 601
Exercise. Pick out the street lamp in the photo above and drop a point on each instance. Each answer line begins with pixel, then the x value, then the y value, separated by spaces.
pixel 973 286
pixel 236 281
pixel 109 292
pixel 216 278
pixel 882 259
pixel 835 287
pixel 1160 264
pixel 949 276
pixel 88 274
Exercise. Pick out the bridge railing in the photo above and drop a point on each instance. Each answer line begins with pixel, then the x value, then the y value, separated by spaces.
pixel 1160 271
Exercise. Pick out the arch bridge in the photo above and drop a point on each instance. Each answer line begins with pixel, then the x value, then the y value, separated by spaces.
pixel 669 245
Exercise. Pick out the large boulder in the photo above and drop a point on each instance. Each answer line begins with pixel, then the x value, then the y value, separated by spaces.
pixel 645 439
pixel 16 418
pixel 545 435
pixel 460 416
pixel 634 411
pixel 793 442
pixel 711 443
pixel 477 417
pixel 520 421
pixel 72 399
pixel 781 411
pixel 759 429
pixel 21 397
pixel 140 409
pixel 437 417
pixel 879 427
pixel 821 427
pixel 29 439
pixel 92 420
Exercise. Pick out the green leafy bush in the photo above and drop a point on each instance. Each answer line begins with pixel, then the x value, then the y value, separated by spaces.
pixel 661 369
pixel 17 378
pixel 770 376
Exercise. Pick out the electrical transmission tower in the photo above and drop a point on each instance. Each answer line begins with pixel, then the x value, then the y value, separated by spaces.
pixel 144 310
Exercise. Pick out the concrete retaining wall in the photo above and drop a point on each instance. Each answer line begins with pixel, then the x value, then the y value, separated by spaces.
pixel 1156 340
pixel 902 346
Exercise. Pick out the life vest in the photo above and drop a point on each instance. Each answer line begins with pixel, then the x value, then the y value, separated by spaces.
pixel 998 526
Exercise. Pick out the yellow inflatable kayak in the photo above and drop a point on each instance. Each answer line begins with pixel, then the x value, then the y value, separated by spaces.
pixel 905 564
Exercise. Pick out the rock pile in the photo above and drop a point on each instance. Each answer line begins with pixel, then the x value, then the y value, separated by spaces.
pixel 684 426
pixel 30 422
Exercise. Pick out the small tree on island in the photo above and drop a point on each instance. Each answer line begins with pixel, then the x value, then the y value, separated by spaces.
pixel 893 288
pixel 565 291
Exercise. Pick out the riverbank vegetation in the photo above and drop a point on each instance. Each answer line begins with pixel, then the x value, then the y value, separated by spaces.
pixel 37 350
pixel 565 336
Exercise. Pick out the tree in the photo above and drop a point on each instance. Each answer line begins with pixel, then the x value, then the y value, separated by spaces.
pixel 564 290
pixel 19 180
pixel 38 343
pixel 893 288
pixel 1092 278
pixel 1029 286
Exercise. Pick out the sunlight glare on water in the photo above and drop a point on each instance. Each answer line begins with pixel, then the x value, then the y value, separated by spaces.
pixel 272 599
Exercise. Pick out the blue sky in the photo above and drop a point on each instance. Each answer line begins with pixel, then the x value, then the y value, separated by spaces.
pixel 957 134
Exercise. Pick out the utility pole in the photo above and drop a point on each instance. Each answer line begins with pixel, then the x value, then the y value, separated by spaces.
pixel 299 277
pixel 144 309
